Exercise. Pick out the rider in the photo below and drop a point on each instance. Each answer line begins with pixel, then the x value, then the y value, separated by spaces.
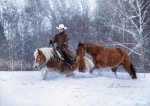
pixel 62 40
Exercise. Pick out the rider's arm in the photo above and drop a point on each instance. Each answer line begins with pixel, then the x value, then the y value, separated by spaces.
pixel 55 38
pixel 67 40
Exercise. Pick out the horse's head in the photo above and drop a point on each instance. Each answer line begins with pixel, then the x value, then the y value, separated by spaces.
pixel 39 58
pixel 80 52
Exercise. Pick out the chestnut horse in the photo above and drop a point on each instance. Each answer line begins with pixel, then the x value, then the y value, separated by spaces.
pixel 106 57
pixel 46 56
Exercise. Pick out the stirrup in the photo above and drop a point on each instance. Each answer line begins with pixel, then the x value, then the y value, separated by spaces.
pixel 68 66
pixel 62 69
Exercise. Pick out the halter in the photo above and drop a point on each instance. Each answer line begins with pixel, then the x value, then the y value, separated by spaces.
pixel 83 54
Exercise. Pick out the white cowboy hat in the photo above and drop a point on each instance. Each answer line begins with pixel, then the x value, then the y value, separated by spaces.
pixel 61 26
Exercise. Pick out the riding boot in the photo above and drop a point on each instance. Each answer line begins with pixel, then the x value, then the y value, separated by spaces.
pixel 67 60
pixel 68 64
pixel 62 69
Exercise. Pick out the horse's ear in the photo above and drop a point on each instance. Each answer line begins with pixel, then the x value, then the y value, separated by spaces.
pixel 34 49
pixel 80 44
pixel 39 52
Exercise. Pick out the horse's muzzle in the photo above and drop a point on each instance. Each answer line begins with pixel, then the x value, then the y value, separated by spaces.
pixel 35 67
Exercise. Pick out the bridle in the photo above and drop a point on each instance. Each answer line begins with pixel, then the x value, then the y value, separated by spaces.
pixel 83 54
pixel 40 63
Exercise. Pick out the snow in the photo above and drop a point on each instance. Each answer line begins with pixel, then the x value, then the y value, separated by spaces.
pixel 26 88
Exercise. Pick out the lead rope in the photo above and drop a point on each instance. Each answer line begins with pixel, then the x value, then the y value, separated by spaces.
pixel 83 54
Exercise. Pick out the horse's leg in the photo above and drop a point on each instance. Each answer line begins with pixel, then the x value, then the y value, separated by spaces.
pixel 82 65
pixel 94 68
pixel 48 70
pixel 114 70
pixel 100 70
pixel 129 67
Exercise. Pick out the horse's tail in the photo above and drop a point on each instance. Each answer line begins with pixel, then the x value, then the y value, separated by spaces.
pixel 133 72
pixel 88 63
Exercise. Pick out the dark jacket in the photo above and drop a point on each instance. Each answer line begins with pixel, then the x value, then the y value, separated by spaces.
pixel 62 38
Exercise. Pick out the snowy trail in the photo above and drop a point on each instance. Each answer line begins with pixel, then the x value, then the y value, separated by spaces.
pixel 83 89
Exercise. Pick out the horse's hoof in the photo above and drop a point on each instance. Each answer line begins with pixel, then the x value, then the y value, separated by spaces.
pixel 91 71
pixel 44 78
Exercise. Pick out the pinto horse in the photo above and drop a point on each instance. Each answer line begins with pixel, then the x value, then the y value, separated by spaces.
pixel 106 57
pixel 46 56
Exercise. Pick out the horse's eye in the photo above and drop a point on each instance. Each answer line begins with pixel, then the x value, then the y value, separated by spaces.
pixel 39 57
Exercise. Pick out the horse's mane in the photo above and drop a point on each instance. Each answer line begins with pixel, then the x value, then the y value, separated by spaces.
pixel 81 44
pixel 47 52
pixel 92 44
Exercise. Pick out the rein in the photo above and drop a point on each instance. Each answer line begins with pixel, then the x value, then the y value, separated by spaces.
pixel 83 54
pixel 55 52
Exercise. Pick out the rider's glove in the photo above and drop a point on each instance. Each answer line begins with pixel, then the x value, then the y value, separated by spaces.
pixel 62 45
pixel 50 42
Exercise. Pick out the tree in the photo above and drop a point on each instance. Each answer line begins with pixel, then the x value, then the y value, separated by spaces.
pixel 3 44
pixel 125 23
pixel 138 21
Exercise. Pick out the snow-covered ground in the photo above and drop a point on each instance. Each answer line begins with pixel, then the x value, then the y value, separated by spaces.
pixel 26 88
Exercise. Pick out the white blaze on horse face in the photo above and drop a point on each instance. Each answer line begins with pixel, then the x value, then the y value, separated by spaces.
pixel 48 53
pixel 36 65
